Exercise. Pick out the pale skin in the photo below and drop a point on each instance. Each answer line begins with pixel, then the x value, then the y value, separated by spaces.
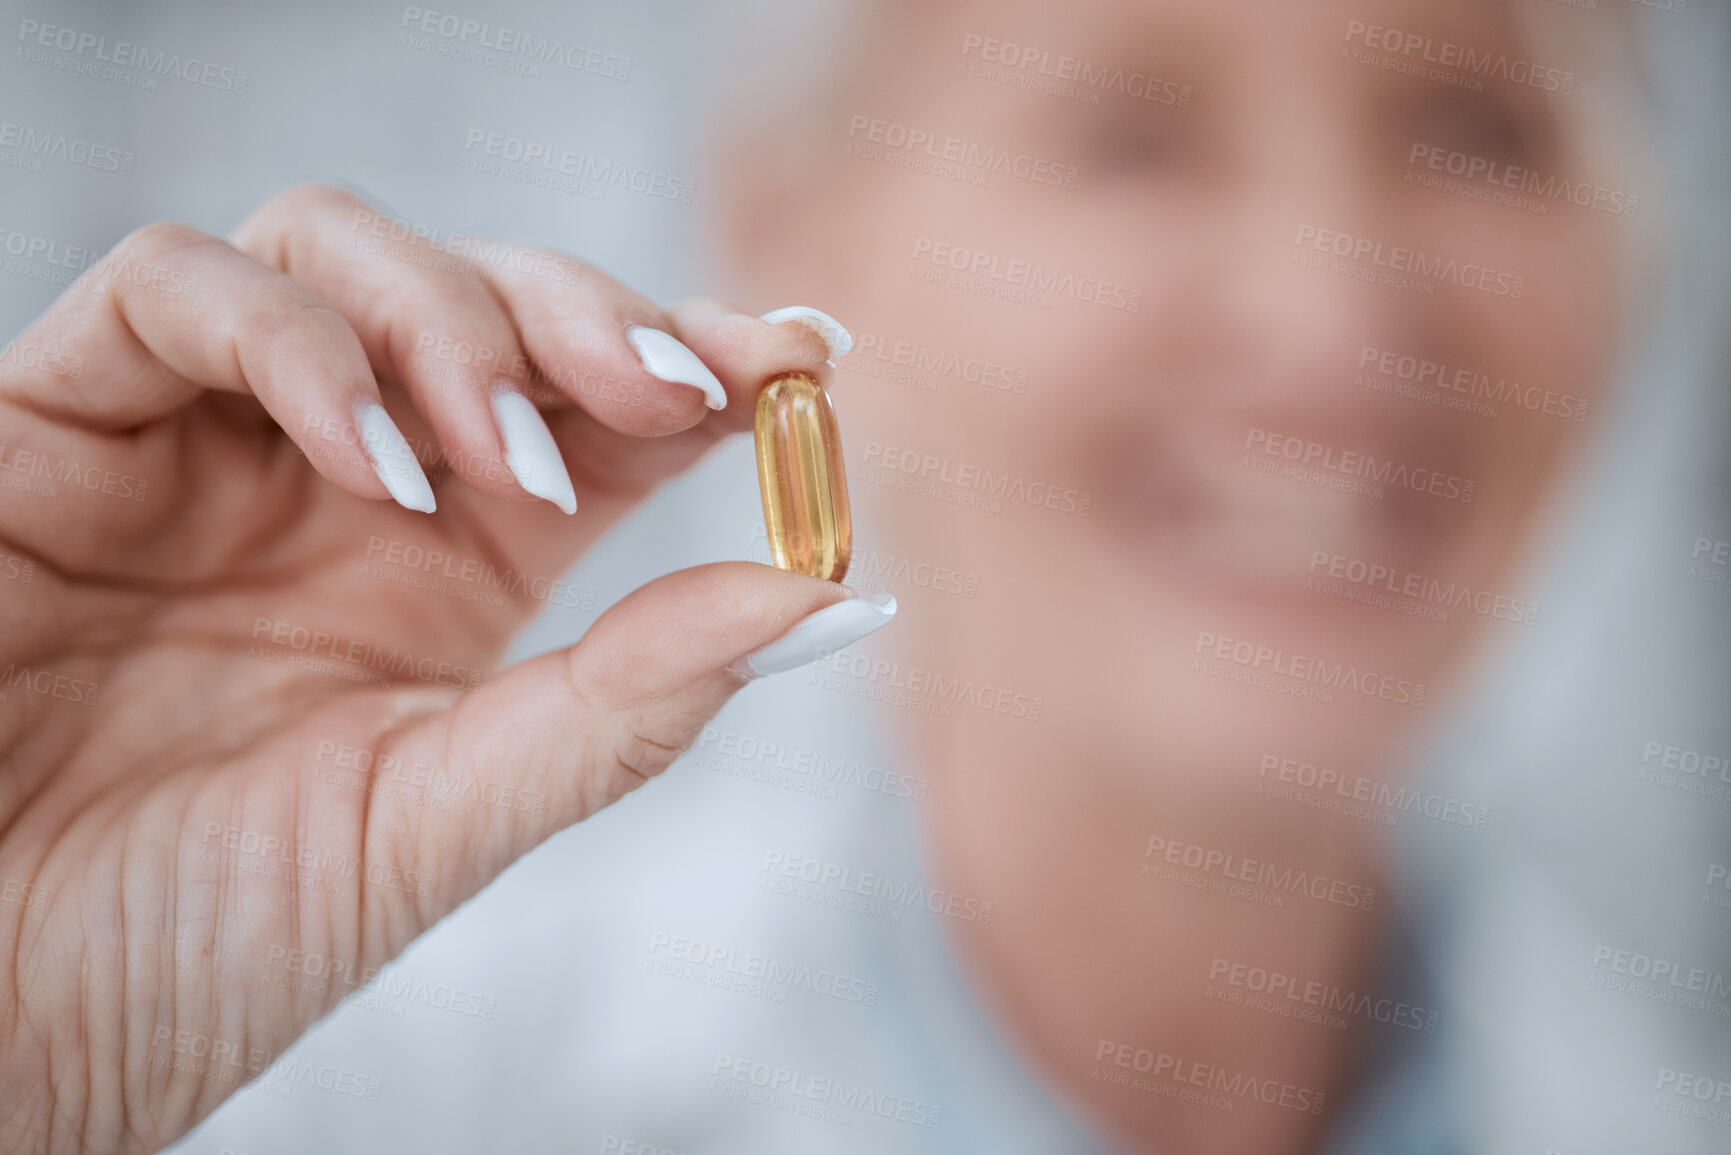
pixel 254 512
pixel 1198 207
pixel 165 741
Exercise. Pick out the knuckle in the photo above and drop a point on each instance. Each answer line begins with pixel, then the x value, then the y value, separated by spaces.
pixel 448 297
pixel 286 220
pixel 638 757
pixel 290 316
pixel 161 239
pixel 312 199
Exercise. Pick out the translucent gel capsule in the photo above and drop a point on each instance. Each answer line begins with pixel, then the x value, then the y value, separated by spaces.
pixel 804 483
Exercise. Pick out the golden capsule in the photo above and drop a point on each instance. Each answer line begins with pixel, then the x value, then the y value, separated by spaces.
pixel 804 483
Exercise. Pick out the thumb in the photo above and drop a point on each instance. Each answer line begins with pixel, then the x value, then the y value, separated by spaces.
pixel 549 742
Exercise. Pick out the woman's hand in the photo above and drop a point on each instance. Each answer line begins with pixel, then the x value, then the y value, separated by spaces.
pixel 242 710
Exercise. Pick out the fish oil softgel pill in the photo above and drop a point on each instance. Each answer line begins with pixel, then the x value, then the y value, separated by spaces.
pixel 804 483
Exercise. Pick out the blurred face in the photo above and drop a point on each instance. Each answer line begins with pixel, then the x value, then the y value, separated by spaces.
pixel 1281 348
pixel 1206 349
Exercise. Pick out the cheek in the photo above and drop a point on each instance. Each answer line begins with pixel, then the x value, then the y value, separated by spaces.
pixel 1560 333
pixel 1549 353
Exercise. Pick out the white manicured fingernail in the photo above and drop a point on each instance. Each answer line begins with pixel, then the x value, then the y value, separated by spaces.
pixel 834 334
pixel 392 459
pixel 531 452
pixel 664 357
pixel 818 635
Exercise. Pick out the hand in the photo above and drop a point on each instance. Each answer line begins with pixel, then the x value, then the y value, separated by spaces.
pixel 216 708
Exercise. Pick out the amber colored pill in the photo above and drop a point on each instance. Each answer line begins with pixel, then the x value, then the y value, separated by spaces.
pixel 804 483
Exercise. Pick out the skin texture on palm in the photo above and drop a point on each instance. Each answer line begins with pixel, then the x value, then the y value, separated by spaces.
pixel 227 657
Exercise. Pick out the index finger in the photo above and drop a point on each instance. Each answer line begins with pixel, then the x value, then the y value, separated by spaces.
pixel 172 312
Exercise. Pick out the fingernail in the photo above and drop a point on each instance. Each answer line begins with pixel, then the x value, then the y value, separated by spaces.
pixel 531 452
pixel 392 459
pixel 834 334
pixel 818 635
pixel 664 357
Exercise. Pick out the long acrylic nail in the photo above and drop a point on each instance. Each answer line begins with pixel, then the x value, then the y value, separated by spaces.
pixel 833 332
pixel 818 635
pixel 392 459
pixel 531 452
pixel 665 357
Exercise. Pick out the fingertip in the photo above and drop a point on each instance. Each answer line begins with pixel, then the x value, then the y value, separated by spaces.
pixel 818 635
pixel 393 461
pixel 664 356
pixel 531 453
pixel 835 335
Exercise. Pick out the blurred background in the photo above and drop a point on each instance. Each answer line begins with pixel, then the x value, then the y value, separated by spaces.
pixel 1043 901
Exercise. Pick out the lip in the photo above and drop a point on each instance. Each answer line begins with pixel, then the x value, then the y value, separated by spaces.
pixel 1208 519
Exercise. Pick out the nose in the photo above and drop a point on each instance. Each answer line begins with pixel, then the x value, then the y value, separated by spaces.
pixel 1283 297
